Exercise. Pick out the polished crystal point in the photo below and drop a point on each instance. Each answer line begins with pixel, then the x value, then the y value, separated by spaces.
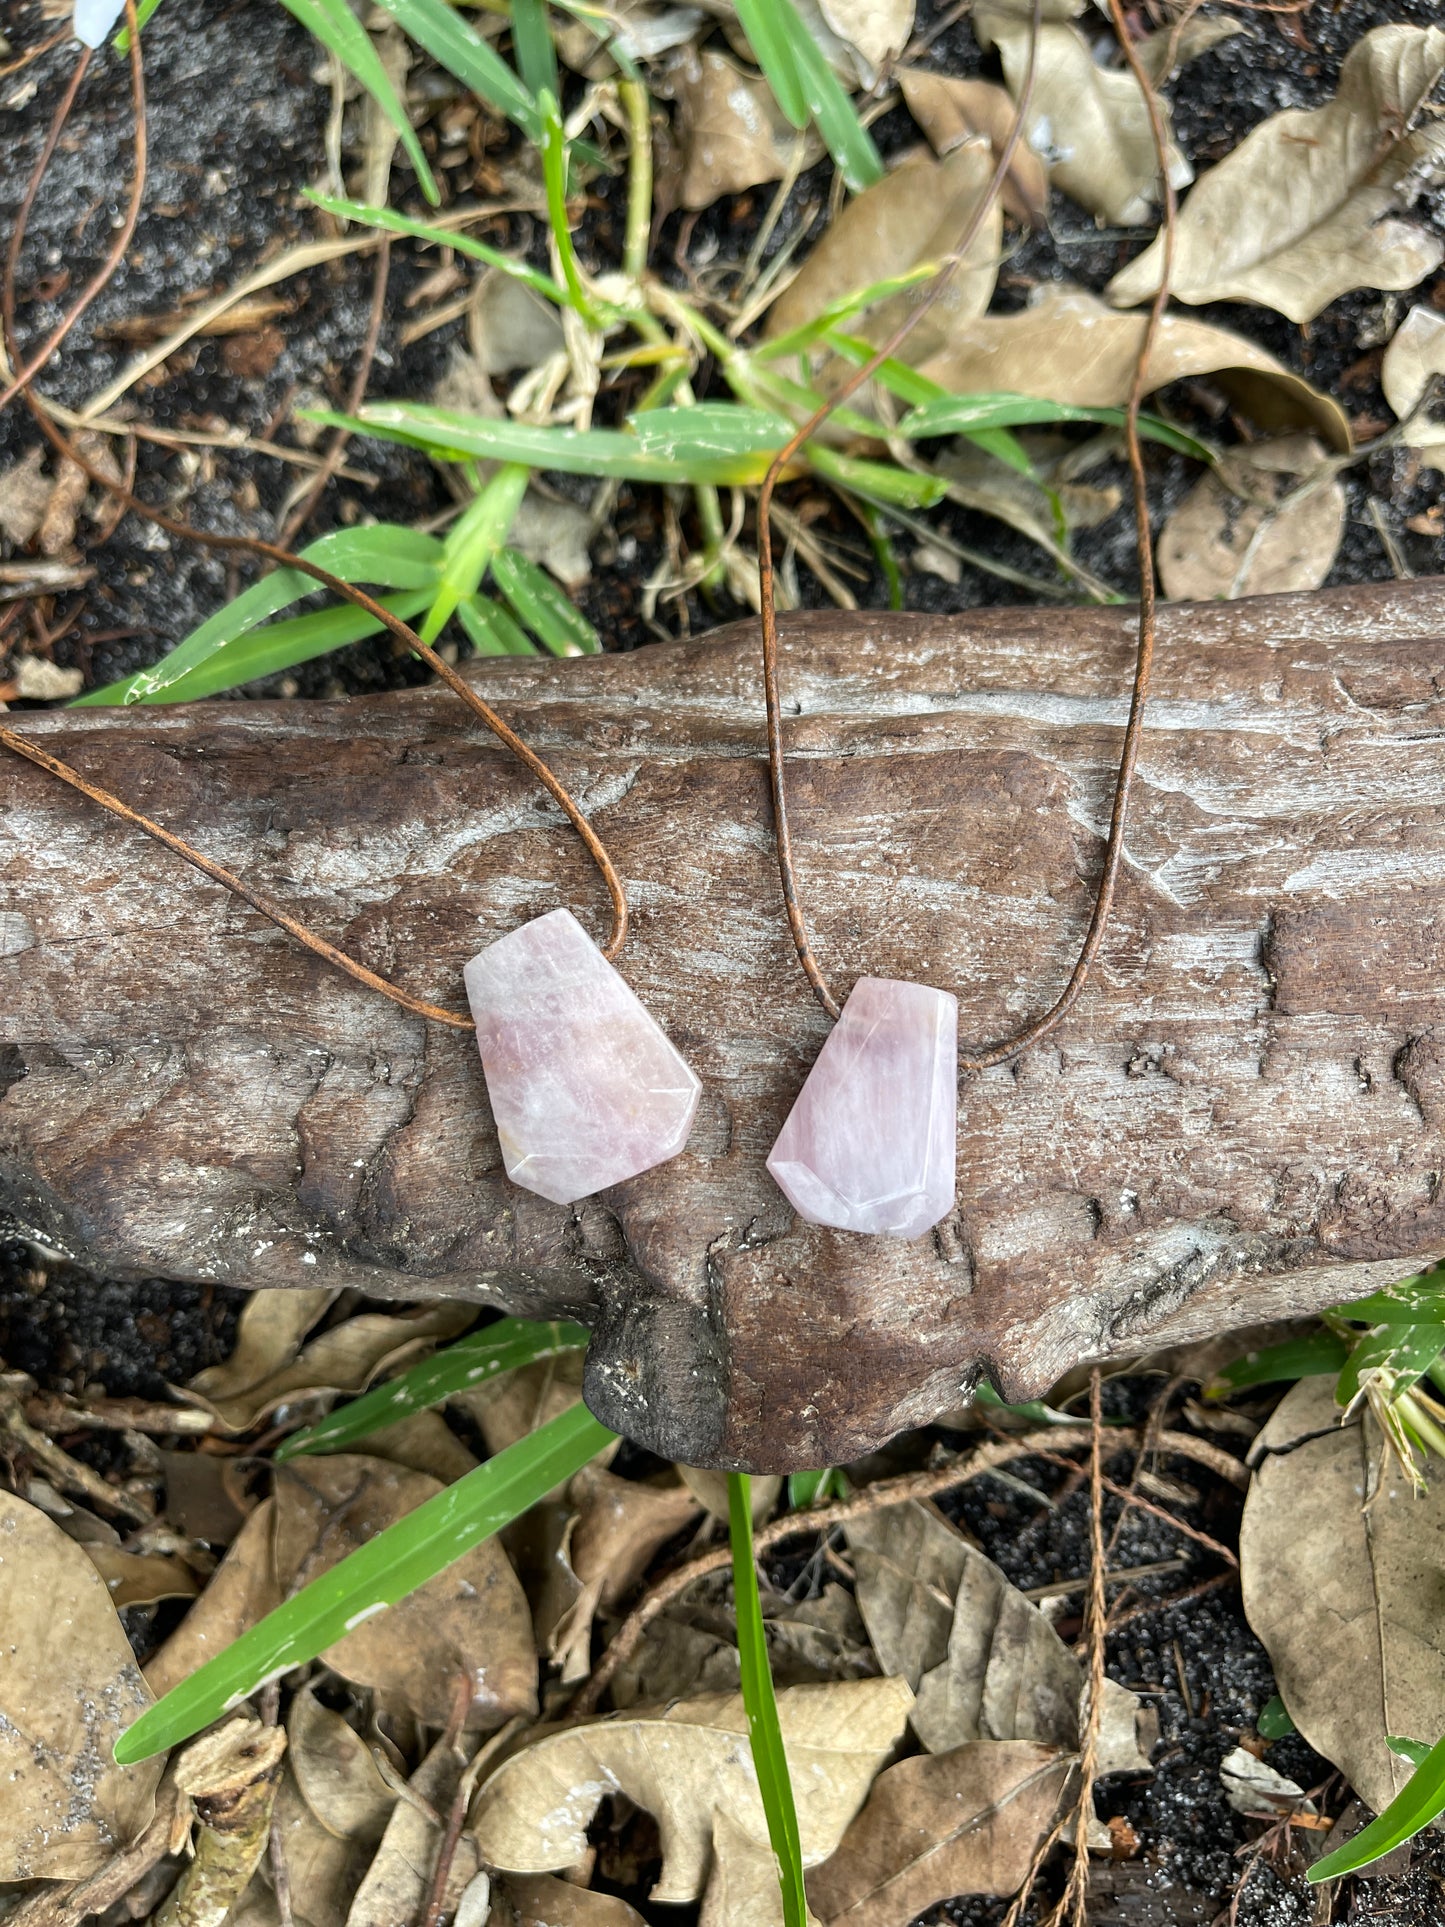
pixel 585 1088
pixel 871 1141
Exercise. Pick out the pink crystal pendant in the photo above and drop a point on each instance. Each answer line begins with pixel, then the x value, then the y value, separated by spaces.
pixel 870 1143
pixel 585 1087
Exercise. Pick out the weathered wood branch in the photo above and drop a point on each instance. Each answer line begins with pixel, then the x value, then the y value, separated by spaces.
pixel 1243 1118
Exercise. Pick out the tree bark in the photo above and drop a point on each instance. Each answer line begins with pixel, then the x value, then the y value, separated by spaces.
pixel 1242 1118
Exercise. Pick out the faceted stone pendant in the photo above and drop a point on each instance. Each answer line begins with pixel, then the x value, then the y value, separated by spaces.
pixel 870 1143
pixel 585 1087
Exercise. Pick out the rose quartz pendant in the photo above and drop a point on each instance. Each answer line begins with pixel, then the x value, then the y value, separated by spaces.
pixel 871 1142
pixel 585 1087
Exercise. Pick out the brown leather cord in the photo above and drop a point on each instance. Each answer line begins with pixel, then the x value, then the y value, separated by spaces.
pixel 1040 1027
pixel 346 590
pixel 258 900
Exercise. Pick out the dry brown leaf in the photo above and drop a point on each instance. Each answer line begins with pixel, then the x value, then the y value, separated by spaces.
pixel 622 1524
pixel 512 1405
pixel 69 1686
pixel 509 327
pixel 423 1442
pixel 399 1878
pixel 140 1579
pixel 710 1489
pixel 1343 1573
pixel 1223 541
pixel 684 1766
pixel 602 1549
pixel 471 1622
pixel 1253 1787
pixel 1089 123
pixel 1162 54
pixel 24 491
pixel 1416 352
pixel 691 1648
pixel 336 1772
pixel 1070 346
pixel 733 133
pixel 742 1885
pixel 555 535
pixel 269 1334
pixel 542 1900
pixel 950 111
pixel 879 29
pixel 915 214
pixel 965 1822
pixel 978 480
pixel 242 1590
pixel 345 1359
pixel 1306 207
pixel 322 1870
pixel 908 1562
pixel 984 1662
pixel 39 681
pixel 198 1501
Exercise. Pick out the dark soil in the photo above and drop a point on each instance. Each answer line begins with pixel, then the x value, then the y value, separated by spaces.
pixel 236 128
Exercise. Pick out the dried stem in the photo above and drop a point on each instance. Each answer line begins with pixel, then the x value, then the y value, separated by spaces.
pixel 1076 1893
pixel 884 1492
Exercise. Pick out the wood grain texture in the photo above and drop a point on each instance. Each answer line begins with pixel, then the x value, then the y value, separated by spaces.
pixel 1244 1117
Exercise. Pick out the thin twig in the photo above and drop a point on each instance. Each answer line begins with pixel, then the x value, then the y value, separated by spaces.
pixel 1076 1893
pixel 883 1492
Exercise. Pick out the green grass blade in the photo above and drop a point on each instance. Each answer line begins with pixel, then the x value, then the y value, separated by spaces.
pixel 536 55
pixel 554 181
pixel 1274 1722
pixel 1401 1354
pixel 877 482
pixel 472 1361
pixel 804 1487
pixel 770 1760
pixel 457 46
pixel 768 35
pixel 798 340
pixel 441 237
pixel 398 1560
pixel 680 456
pixel 265 652
pixel 1321 1354
pixel 387 555
pixel 337 27
pixel 491 630
pixel 1415 1751
pixel 1414 1301
pixel 968 414
pixel 142 13
pixel 1419 1801
pixel 473 543
pixel 538 604
pixel 1033 1409
pixel 707 432
pixel 844 135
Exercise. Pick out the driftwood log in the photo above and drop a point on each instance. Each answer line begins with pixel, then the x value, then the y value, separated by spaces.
pixel 1245 1116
